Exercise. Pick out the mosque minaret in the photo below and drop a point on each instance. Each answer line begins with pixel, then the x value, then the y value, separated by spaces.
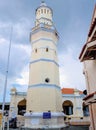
pixel 44 101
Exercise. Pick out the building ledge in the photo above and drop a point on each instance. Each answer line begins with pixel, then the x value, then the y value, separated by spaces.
pixel 91 98
pixel 76 121
pixel 89 51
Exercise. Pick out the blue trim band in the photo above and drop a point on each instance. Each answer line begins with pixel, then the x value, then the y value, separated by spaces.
pixel 45 19
pixel 72 96
pixel 44 86
pixel 45 60
pixel 21 93
pixel 78 107
pixel 45 39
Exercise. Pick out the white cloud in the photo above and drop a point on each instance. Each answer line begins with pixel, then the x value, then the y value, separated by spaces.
pixel 71 71
pixel 24 77
pixel 19 54
pixel 22 22
pixel 22 28
pixel 3 41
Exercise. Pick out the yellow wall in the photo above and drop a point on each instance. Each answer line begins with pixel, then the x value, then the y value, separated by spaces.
pixel 0 119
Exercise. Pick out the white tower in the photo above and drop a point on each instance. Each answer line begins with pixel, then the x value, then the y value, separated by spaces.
pixel 44 102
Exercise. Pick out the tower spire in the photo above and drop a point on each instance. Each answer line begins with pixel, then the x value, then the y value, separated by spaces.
pixel 44 14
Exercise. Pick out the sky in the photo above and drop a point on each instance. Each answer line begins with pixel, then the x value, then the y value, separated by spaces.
pixel 72 20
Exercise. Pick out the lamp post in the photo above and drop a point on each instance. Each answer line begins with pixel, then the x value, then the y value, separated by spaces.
pixel 6 76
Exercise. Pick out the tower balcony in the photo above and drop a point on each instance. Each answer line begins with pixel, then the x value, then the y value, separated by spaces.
pixel 45 27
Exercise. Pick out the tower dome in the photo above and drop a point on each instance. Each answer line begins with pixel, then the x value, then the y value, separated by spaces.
pixel 44 14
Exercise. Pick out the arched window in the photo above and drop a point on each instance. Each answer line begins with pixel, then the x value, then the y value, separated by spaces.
pixel 45 11
pixel 85 110
pixel 22 107
pixel 46 49
pixel 36 50
pixel 38 11
pixel 42 11
pixel 68 107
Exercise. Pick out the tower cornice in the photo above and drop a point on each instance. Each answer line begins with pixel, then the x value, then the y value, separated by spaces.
pixel 46 28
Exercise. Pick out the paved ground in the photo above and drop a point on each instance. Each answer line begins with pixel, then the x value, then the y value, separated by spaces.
pixel 67 128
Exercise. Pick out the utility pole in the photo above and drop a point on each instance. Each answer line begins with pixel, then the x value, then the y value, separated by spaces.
pixel 6 76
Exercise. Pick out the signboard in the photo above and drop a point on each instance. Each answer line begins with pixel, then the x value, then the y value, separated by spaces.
pixel 46 115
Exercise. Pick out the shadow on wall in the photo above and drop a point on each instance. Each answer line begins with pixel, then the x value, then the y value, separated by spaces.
pixel 76 128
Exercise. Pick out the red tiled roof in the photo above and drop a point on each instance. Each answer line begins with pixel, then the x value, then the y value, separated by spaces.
pixel 81 92
pixel 69 91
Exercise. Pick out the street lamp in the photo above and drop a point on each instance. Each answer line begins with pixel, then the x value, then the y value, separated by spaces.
pixel 6 76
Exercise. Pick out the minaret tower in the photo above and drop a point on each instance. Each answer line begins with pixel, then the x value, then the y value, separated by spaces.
pixel 44 102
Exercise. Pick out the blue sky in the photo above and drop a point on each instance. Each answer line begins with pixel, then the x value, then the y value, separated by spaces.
pixel 72 19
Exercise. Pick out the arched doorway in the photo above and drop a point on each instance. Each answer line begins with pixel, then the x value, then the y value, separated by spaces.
pixel 85 109
pixel 22 107
pixel 67 107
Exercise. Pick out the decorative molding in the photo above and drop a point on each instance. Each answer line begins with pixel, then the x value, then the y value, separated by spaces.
pixel 44 85
pixel 72 96
pixel 40 114
pixel 45 60
pixel 43 29
pixel 45 39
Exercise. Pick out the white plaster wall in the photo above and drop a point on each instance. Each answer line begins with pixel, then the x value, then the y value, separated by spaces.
pixel 90 75
pixel 43 34
pixel 47 100
pixel 41 70
pixel 13 105
pixel 15 99
pixel 42 54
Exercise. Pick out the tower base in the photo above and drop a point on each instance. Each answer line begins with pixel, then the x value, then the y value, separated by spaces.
pixel 46 120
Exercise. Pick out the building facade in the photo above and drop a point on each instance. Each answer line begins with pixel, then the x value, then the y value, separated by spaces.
pixel 72 103
pixel 88 57
pixel 44 100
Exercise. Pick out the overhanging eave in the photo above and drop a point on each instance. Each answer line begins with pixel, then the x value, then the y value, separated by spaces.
pixel 90 99
pixel 89 51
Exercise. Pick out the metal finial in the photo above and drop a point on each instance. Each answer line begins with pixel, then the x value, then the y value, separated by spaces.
pixel 42 1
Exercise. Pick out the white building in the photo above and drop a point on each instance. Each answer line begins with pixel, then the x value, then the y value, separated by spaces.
pixel 88 57
pixel 72 104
